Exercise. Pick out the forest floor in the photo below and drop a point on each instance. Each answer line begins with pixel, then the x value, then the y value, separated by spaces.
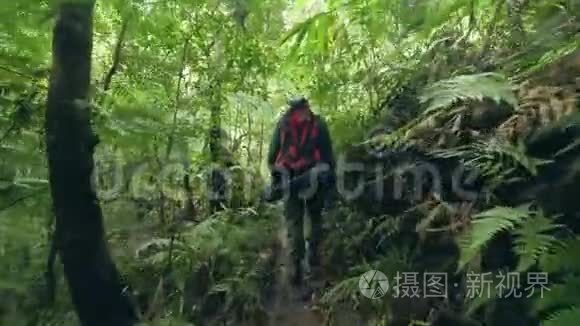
pixel 287 307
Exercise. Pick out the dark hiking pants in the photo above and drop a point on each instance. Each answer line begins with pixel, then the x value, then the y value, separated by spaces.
pixel 296 210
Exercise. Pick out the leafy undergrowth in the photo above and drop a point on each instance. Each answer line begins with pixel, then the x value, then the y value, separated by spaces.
pixel 222 269
pixel 489 87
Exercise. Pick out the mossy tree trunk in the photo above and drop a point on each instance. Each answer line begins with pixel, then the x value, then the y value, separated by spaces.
pixel 97 292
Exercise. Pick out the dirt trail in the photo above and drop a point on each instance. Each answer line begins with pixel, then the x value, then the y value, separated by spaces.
pixel 287 309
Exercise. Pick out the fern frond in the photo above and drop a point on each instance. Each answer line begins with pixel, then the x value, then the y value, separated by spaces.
pixel 397 259
pixel 347 290
pixel 567 317
pixel 562 258
pixel 560 295
pixel 485 226
pixel 533 240
pixel 445 93
pixel 495 160
pixel 514 153
pixel 551 57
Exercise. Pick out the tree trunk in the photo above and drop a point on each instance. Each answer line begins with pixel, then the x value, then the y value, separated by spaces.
pixel 95 286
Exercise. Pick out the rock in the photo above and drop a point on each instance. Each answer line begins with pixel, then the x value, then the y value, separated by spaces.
pixel 487 114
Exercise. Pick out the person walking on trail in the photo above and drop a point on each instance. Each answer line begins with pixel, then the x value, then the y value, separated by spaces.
pixel 301 149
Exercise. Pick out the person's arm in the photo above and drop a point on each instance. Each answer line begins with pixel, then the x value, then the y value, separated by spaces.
pixel 274 147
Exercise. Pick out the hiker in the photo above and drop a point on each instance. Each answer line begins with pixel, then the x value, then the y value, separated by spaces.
pixel 301 147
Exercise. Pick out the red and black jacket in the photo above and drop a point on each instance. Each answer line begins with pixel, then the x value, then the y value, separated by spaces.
pixel 300 147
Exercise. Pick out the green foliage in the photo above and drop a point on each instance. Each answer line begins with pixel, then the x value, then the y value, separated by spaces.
pixel 496 161
pixel 441 101
pixel 566 317
pixel 534 234
pixel 185 68
pixel 445 93
pixel 561 295
pixel 551 57
pixel 235 245
pixel 536 245
pixel 560 258
pixel 557 306
pixel 485 226
pixel 534 238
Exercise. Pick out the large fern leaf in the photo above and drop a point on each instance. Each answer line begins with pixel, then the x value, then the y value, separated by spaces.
pixel 485 226
pixel 516 154
pixel 498 162
pixel 533 239
pixel 445 93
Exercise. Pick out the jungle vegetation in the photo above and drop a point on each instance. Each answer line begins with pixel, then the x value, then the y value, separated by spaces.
pixel 114 112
